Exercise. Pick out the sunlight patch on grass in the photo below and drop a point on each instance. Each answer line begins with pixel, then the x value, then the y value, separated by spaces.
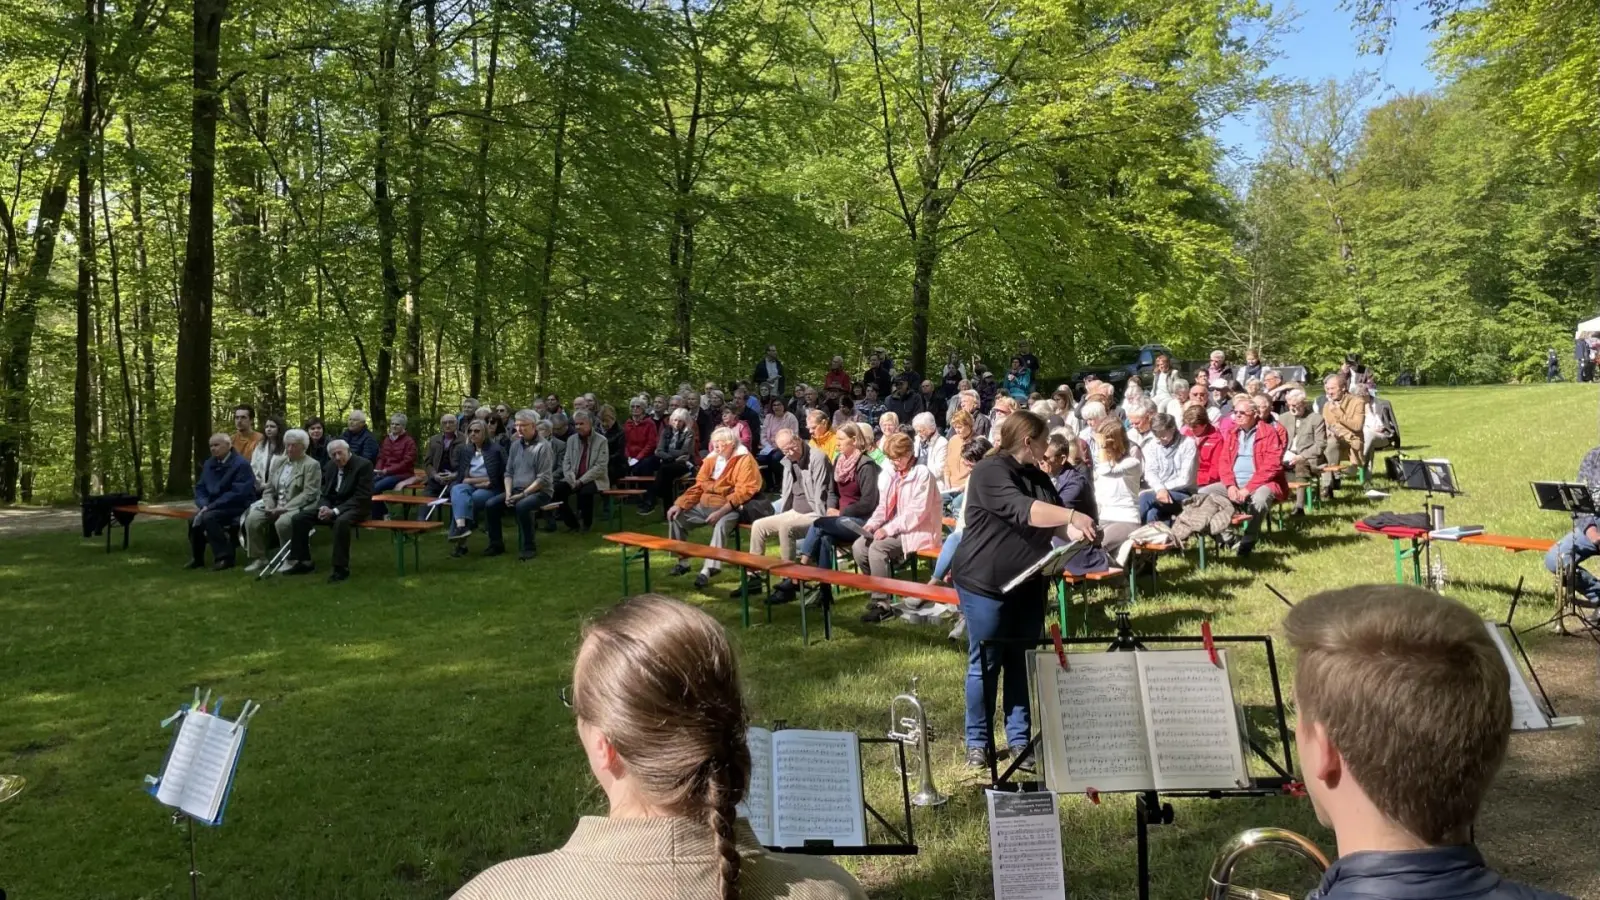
pixel 40 697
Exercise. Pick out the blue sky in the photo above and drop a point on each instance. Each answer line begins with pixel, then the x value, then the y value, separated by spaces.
pixel 1321 44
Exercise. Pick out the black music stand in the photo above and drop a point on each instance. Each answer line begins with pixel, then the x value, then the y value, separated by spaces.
pixel 1149 809
pixel 1576 500
pixel 905 844
pixel 1430 476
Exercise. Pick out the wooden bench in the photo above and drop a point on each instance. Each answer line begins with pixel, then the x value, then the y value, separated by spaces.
pixel 613 501
pixel 403 531
pixel 1396 534
pixel 934 593
pixel 1081 584
pixel 125 516
pixel 1309 488
pixel 1509 543
pixel 409 500
pixel 642 544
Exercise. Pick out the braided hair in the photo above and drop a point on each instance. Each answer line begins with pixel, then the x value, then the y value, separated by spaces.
pixel 659 679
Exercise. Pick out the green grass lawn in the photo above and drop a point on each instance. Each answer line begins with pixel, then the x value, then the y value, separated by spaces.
pixel 411 733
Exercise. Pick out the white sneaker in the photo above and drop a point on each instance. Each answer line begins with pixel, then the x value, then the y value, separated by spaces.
pixel 256 565
pixel 960 631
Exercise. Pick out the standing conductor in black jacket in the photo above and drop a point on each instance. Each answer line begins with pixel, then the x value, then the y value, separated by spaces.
pixel 346 502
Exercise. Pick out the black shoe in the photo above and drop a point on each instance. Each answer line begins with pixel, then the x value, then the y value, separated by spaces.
pixel 494 550
pixel 458 533
pixel 701 580
pixel 1297 512
pixel 877 614
pixel 1026 765
pixel 301 568
pixel 195 564
pixel 977 758
pixel 526 555
pixel 1244 549
pixel 459 551
pixel 550 526
pixel 679 570
pixel 222 565
pixel 338 576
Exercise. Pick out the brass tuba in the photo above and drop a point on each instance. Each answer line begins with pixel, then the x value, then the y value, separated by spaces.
pixel 1219 884
pixel 917 735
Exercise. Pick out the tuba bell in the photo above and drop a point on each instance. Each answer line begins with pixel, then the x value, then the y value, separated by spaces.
pixel 1219 884
pixel 915 732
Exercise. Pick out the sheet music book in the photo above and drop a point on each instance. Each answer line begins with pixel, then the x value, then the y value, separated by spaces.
pixel 1455 532
pixel 1025 844
pixel 1050 564
pixel 805 786
pixel 1139 721
pixel 200 765
pixel 854 526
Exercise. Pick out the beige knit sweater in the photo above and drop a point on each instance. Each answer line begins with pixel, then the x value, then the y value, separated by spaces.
pixel 657 859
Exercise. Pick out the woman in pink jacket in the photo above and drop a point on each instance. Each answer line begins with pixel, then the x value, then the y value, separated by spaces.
pixel 906 520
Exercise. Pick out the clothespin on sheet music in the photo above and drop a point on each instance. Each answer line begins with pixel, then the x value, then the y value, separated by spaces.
pixel 1210 645
pixel 1295 788
pixel 1093 795
pixel 246 713
pixel 1055 638
pixel 174 717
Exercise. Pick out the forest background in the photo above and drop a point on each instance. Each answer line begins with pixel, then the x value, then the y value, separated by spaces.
pixel 320 205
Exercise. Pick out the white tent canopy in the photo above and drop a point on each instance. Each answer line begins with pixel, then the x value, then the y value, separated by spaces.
pixel 1591 325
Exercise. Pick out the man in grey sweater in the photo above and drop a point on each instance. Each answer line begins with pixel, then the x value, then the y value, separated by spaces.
pixel 530 479
pixel 807 481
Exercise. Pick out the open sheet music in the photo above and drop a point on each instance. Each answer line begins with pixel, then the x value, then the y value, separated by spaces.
pixel 1139 721
pixel 200 766
pixel 1051 563
pixel 1526 713
pixel 805 786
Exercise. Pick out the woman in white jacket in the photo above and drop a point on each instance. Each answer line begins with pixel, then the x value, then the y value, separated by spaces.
pixel 1116 485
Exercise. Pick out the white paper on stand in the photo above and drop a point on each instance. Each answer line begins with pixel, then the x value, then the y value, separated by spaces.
pixel 1025 844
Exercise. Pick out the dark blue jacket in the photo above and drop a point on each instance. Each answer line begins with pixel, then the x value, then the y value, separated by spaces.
pixel 1439 873
pixel 363 444
pixel 494 461
pixel 225 483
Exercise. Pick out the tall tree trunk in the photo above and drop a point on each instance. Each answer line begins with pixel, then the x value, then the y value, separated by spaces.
pixel 552 227
pixel 23 316
pixel 680 260
pixel 116 324
pixel 480 222
pixel 925 261
pixel 82 402
pixel 252 261
pixel 416 208
pixel 191 413
pixel 148 406
pixel 376 410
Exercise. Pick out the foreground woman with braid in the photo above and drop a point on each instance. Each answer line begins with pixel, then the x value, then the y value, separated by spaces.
pixel 662 721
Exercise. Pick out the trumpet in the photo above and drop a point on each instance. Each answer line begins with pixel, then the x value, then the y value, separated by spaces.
pixel 1219 884
pixel 914 731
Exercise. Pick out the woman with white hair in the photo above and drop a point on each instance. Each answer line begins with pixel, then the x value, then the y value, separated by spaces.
pixel 675 452
pixel 293 484
pixel 929 447
pixel 727 479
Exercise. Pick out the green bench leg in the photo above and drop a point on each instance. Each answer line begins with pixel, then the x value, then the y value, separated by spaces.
pixel 624 549
pixel 1133 579
pixel 805 633
pixel 744 596
pixel 399 553
pixel 1202 553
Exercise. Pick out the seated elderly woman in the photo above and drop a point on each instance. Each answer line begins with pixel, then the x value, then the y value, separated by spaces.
pixel 397 461
pixel 676 454
pixel 1116 485
pixel 1092 413
pixel 929 447
pixel 727 479
pixel 1003 406
pixel 662 720
pixel 907 520
pixel 293 484
pixel 778 418
pixel 956 468
pixel 639 436
pixel 731 419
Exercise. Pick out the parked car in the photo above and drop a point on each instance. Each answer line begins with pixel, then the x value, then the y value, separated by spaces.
pixel 1116 364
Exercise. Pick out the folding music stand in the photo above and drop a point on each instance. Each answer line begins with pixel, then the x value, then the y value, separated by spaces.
pixel 1576 500
pixel 1149 809
pixel 1430 476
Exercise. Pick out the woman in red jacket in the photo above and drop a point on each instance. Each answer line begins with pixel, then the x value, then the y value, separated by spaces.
pixel 1207 439
pixel 639 437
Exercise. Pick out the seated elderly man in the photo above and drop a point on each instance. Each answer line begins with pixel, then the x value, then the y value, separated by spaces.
pixel 225 489
pixel 1345 415
pixel 360 438
pixel 294 485
pixel 529 480
pixel 346 501
pixel 1249 468
pixel 1306 435
pixel 438 457
pixel 807 482
pixel 1380 430
pixel 397 461
pixel 929 447
pixel 727 479
pixel 1171 466
pixel 1140 432
pixel 583 472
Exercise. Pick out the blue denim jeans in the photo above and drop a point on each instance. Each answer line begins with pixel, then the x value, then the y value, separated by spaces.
pixel 467 501
pixel 825 533
pixel 526 527
pixel 947 554
pixel 1000 669
pixel 1571 551
pixel 1152 510
pixel 381 484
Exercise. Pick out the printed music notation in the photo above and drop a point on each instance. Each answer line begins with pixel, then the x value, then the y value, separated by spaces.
pixel 805 785
pixel 1025 842
pixel 1140 720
